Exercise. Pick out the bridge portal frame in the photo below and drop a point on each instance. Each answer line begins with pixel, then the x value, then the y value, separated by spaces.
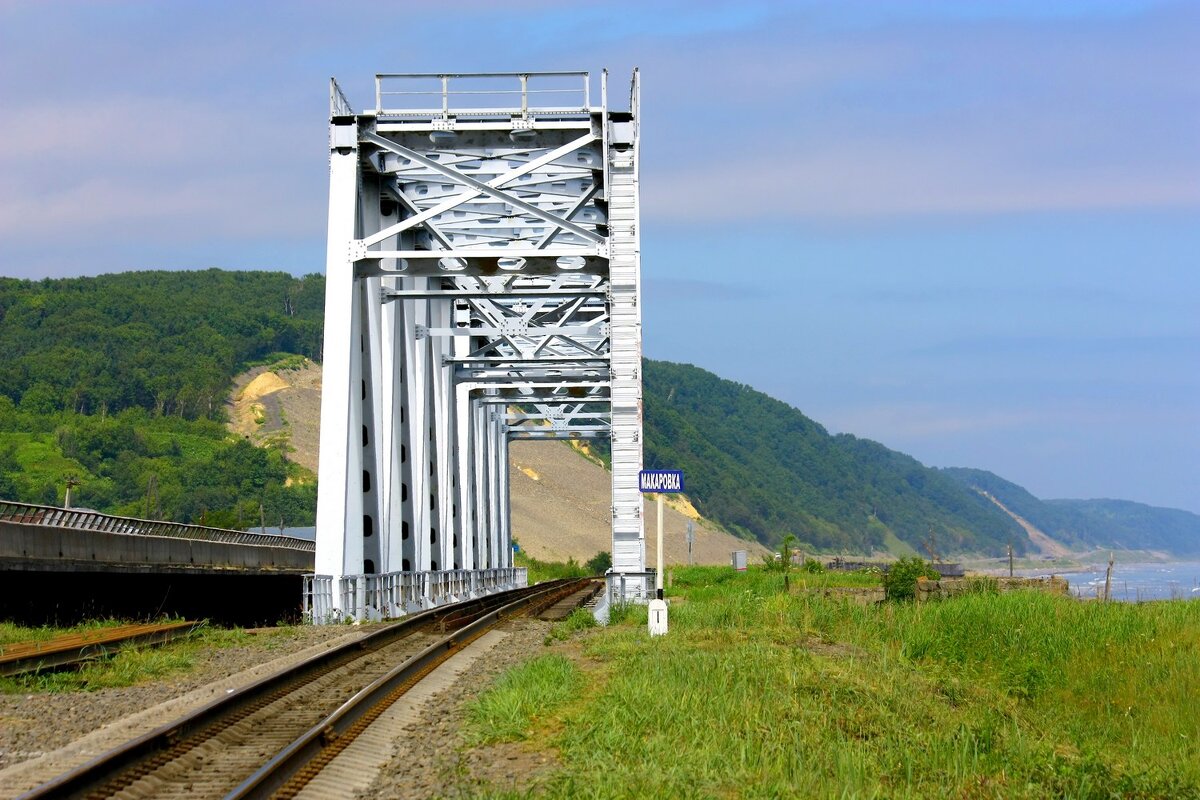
pixel 483 284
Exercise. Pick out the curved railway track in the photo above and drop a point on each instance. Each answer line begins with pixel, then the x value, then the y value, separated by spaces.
pixel 270 738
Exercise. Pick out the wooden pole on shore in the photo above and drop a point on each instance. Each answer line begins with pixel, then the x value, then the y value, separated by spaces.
pixel 1108 578
pixel 1010 560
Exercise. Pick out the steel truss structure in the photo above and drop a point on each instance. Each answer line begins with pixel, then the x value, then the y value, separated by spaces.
pixel 483 285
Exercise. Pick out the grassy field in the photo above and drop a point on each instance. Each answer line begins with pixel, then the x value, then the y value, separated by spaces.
pixel 758 693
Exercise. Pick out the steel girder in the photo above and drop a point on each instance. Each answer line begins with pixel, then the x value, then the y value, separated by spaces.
pixel 482 285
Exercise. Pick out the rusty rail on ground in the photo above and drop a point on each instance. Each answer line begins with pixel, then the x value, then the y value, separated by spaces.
pixel 75 648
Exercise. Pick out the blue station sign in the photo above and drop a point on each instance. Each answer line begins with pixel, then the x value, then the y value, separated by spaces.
pixel 660 480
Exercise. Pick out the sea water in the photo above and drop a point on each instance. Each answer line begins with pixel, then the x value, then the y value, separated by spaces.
pixel 1174 580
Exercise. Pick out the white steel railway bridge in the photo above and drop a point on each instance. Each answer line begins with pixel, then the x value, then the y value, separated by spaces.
pixel 483 284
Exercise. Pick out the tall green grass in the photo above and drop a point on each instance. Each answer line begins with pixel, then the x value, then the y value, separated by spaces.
pixel 505 712
pixel 549 570
pixel 760 693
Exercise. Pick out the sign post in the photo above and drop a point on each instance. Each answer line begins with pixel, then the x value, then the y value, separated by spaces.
pixel 691 537
pixel 659 482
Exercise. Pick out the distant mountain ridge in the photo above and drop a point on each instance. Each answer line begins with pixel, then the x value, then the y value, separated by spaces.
pixel 763 469
pixel 1119 524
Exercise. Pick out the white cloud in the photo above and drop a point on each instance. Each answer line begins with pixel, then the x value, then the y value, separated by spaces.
pixel 943 117
pixel 152 168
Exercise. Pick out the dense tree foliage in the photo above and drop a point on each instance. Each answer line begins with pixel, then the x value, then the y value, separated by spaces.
pixel 159 467
pixel 167 342
pixel 119 382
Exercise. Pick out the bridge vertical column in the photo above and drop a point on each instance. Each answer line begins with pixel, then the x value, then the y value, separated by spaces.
pixel 416 427
pixel 339 514
pixel 628 532
pixel 397 550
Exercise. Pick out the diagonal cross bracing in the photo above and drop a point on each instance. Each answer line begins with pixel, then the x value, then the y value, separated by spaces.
pixel 482 286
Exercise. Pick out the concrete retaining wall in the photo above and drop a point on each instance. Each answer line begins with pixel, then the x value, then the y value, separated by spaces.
pixel 930 590
pixel 43 548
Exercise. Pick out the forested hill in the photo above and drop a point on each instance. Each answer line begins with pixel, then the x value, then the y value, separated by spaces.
pixel 168 342
pixel 1093 523
pixel 762 468
pixel 118 382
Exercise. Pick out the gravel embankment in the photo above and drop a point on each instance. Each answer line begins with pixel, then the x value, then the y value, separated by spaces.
pixel 431 760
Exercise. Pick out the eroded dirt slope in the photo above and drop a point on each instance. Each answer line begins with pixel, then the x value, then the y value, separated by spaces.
pixel 560 499
pixel 279 405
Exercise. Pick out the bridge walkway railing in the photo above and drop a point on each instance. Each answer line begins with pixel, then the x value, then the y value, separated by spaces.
pixel 393 594
pixel 82 519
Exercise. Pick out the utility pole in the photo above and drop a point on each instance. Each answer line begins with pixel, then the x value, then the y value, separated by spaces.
pixel 931 546
pixel 1010 560
pixel 658 574
pixel 72 482
pixel 691 537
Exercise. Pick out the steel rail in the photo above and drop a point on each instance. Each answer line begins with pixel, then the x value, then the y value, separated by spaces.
pixel 19 658
pixel 144 753
pixel 297 764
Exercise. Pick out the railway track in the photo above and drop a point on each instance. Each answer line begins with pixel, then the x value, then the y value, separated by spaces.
pixel 269 739
pixel 75 648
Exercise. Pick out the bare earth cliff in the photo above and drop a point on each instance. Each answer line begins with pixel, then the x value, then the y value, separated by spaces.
pixel 560 498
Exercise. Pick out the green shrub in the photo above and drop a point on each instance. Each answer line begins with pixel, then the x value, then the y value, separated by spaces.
pixel 813 566
pixel 900 581
pixel 599 563
pixel 781 559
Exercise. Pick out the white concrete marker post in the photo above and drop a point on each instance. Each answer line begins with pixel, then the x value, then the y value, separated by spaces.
pixel 659 482
pixel 657 617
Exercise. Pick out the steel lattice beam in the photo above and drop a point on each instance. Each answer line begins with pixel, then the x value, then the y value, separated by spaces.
pixel 482 285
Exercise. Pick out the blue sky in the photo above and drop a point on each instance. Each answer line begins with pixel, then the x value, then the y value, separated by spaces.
pixel 968 230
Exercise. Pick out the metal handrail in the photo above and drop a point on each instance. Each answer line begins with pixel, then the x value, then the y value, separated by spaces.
pixel 79 519
pixel 446 92
pixel 339 106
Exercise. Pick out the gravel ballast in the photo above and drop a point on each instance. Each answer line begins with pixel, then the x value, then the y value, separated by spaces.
pixel 35 725
pixel 431 760
pixel 50 733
